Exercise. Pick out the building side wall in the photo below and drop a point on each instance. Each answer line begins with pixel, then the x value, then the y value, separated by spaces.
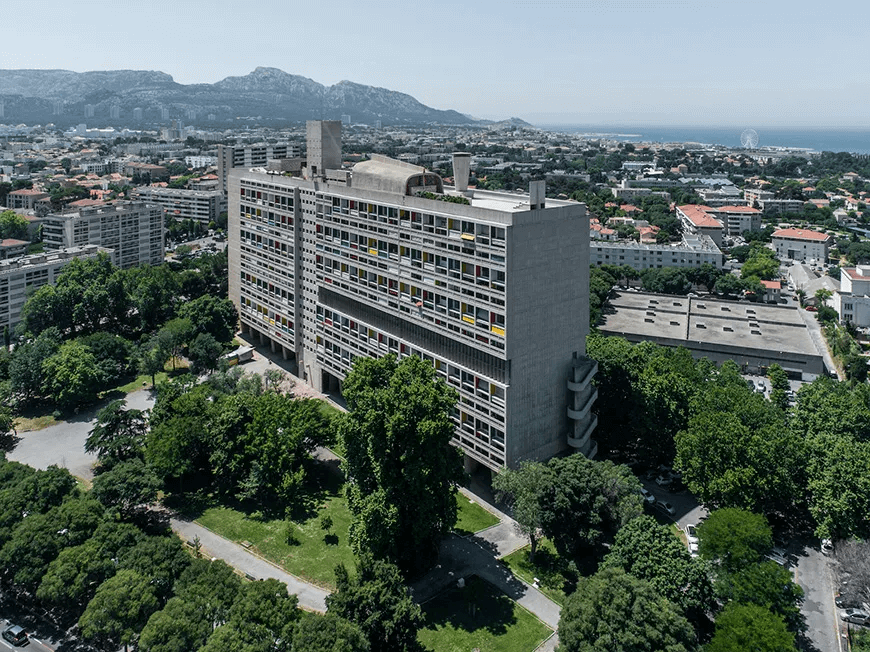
pixel 547 324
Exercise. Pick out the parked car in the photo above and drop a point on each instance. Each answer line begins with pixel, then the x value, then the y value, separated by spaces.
pixel 16 635
pixel 693 549
pixel 647 496
pixel 827 546
pixel 857 616
pixel 812 309
pixel 843 603
pixel 666 506
pixel 664 480
pixel 776 557
pixel 691 534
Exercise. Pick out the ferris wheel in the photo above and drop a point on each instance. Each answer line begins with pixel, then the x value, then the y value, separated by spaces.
pixel 749 139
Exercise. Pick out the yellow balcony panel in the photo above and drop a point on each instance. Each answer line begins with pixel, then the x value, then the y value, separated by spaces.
pixel 468 320
pixel 468 236
pixel 373 252
pixel 497 330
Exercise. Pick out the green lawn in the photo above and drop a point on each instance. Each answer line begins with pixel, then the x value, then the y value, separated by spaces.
pixel 312 557
pixel 471 517
pixel 479 617
pixel 138 383
pixel 549 568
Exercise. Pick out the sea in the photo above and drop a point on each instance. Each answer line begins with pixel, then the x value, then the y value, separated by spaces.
pixel 853 140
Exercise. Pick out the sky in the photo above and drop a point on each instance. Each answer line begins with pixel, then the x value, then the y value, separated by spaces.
pixel 777 63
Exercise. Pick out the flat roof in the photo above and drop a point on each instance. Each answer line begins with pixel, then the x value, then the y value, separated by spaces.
pixel 765 327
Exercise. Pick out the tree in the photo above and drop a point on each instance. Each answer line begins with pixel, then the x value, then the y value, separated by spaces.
pixel 586 502
pixel 13 226
pixel 178 627
pixel 768 585
pixel 119 434
pixel 162 559
pixel 71 375
pixel 750 627
pixel 838 485
pixel 26 374
pixel 119 610
pixel 378 602
pixel 613 610
pixel 173 337
pixel 402 471
pixel 152 359
pixel 128 486
pixel 328 633
pixel 779 386
pixel 735 537
pixel 650 551
pixel 204 353
pixel 263 617
pixel 522 490
pixel 72 578
pixel 822 295
pixel 209 314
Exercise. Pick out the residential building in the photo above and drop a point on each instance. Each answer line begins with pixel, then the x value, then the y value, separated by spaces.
pixel 801 244
pixel 20 277
pixel 146 170
pixel 203 206
pixel 491 288
pixel 697 220
pixel 737 219
pixel 251 156
pixel 693 251
pixel 134 230
pixel 852 301
pixel 12 248
pixel 772 291
pixel 25 198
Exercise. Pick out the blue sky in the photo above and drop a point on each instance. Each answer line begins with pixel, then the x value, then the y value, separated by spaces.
pixel 609 62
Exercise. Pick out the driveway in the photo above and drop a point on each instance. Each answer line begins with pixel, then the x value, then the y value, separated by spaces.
pixel 63 444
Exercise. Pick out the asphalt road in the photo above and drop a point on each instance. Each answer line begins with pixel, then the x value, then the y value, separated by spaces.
pixel 63 444
pixel 814 574
pixel 35 643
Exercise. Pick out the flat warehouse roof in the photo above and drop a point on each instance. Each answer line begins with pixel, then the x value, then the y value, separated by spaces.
pixel 768 328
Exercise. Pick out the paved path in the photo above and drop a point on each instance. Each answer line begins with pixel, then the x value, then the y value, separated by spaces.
pixel 815 331
pixel 310 597
pixel 814 574
pixel 63 444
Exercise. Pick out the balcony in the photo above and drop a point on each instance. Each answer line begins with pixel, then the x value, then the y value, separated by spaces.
pixel 584 442
pixel 584 370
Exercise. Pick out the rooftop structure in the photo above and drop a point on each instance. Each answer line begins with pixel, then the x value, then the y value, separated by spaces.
pixel 801 244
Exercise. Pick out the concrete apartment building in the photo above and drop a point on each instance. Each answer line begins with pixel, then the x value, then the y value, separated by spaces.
pixel 801 244
pixel 693 251
pixel 25 199
pixel 133 230
pixel 697 220
pixel 201 206
pixel 20 277
pixel 494 293
pixel 737 219
pixel 852 300
pixel 251 156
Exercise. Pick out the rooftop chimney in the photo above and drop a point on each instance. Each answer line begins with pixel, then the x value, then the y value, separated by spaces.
pixel 461 165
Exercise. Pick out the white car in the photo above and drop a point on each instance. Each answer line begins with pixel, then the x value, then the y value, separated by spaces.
pixel 827 546
pixel 857 616
pixel 647 496
pixel 691 535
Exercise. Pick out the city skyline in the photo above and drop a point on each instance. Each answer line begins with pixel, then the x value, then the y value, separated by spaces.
pixel 674 62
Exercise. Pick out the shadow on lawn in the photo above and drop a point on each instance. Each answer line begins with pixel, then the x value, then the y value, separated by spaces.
pixel 478 605
pixel 323 479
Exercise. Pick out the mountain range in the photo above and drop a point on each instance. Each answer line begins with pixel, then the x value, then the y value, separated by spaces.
pixel 266 96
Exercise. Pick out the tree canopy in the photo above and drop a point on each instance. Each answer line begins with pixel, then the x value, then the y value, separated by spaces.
pixel 401 468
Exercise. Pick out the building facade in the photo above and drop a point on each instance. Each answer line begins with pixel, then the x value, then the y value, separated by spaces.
pixel 801 244
pixel 133 230
pixel 737 219
pixel 493 291
pixel 693 251
pixel 21 277
pixel 203 206
pixel 852 301
pixel 25 199
pixel 696 220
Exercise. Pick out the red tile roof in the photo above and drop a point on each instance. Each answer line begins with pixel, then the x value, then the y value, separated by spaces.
pixel 736 209
pixel 12 242
pixel 801 234
pixel 772 285
pixel 697 215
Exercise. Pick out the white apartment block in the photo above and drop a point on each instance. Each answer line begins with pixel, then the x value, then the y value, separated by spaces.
pixel 852 302
pixel 133 230
pixel 21 277
pixel 737 219
pixel 801 244
pixel 251 156
pixel 693 251
pixel 493 292
pixel 201 206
